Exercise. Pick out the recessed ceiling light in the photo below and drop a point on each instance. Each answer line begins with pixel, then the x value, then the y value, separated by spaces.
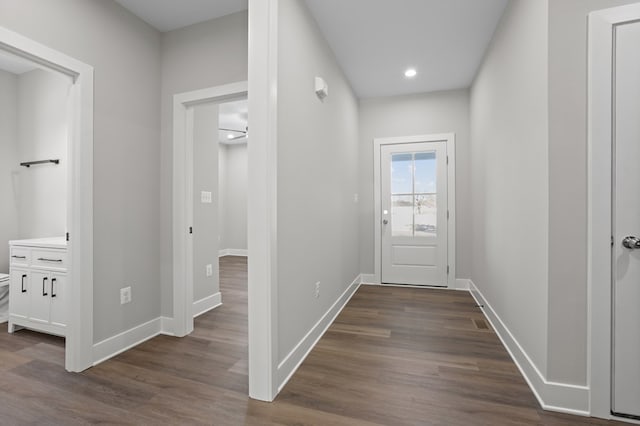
pixel 410 73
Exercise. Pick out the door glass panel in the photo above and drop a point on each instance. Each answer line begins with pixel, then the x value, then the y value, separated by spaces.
pixel 425 215
pixel 401 173
pixel 425 172
pixel 413 199
pixel 402 215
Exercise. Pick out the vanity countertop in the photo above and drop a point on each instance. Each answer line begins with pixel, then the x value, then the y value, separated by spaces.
pixel 54 242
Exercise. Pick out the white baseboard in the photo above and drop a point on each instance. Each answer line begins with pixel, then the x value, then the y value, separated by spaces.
pixel 369 279
pixel 292 361
pixel 126 340
pixel 206 304
pixel 167 326
pixel 233 252
pixel 463 284
pixel 553 396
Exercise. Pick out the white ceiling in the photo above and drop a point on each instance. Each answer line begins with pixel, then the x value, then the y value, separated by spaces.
pixel 374 40
pixel 14 64
pixel 167 15
pixel 233 115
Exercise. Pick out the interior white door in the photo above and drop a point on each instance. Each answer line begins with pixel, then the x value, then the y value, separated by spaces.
pixel 413 206
pixel 626 226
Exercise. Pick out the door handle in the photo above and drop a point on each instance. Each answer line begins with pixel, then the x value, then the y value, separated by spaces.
pixel 53 280
pixel 631 242
pixel 24 290
pixel 44 283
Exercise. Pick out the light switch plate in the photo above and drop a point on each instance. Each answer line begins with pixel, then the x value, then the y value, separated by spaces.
pixel 209 269
pixel 205 197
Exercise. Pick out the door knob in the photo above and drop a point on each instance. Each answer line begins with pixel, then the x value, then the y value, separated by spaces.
pixel 631 242
pixel 385 221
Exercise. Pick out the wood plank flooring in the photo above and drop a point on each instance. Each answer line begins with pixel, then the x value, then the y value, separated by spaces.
pixel 394 356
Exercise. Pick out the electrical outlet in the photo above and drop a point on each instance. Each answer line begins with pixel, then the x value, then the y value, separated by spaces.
pixel 317 291
pixel 205 197
pixel 209 270
pixel 125 295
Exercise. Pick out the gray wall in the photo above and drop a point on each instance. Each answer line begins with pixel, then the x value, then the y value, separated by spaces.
pixel 42 134
pixel 233 193
pixel 222 193
pixel 207 54
pixel 125 53
pixel 317 158
pixel 567 360
pixel 438 112
pixel 509 175
pixel 8 164
pixel 205 215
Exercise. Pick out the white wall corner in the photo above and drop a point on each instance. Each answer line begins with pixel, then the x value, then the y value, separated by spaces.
pixel 553 396
pixel 112 346
pixel 292 361
pixel 206 304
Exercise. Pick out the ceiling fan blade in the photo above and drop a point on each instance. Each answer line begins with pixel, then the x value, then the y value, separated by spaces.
pixel 232 130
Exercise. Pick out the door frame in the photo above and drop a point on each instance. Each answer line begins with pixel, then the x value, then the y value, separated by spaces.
pixel 601 41
pixel 183 195
pixel 450 140
pixel 79 330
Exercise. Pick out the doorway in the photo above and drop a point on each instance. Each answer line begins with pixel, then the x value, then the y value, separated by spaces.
pixel 614 212
pixel 187 147
pixel 414 205
pixel 75 319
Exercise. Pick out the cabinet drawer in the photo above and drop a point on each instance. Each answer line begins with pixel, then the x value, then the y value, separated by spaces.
pixel 20 256
pixel 50 259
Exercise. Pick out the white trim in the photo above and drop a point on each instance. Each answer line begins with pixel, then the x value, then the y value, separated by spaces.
pixel 183 195
pixel 262 199
pixel 79 335
pixel 166 324
pixel 299 353
pixel 126 340
pixel 369 279
pixel 206 304
pixel 450 140
pixel 463 284
pixel 553 396
pixel 600 129
pixel 233 252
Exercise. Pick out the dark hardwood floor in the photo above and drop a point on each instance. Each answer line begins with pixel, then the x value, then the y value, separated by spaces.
pixel 394 356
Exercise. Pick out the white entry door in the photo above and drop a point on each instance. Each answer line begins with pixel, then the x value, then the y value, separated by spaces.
pixel 626 216
pixel 414 213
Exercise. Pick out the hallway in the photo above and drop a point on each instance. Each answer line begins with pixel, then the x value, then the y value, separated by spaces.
pixel 395 356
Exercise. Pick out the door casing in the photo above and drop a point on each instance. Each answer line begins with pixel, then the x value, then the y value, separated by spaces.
pixel 183 196
pixel 602 24
pixel 449 139
pixel 79 332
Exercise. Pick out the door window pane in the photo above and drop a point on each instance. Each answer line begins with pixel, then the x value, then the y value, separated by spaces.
pixel 425 215
pixel 401 173
pixel 425 172
pixel 402 215
pixel 413 194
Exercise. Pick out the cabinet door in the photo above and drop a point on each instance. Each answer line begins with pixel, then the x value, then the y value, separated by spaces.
pixel 19 293
pixel 40 297
pixel 58 297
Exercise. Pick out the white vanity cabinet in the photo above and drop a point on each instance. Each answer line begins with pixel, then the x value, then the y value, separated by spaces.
pixel 37 298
